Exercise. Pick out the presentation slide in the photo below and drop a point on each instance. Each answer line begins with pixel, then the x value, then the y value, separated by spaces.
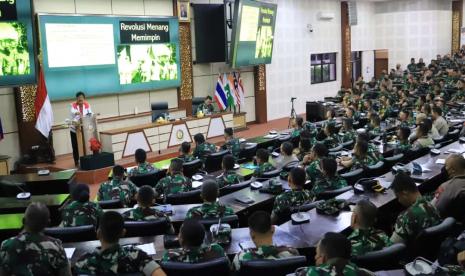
pixel 17 63
pixel 253 33
pixel 80 44
pixel 108 54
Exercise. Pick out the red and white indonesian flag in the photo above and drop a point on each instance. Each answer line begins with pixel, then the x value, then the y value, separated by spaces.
pixel 44 113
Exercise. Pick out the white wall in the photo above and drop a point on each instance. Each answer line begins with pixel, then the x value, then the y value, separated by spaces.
pixel 289 74
pixel 415 28
pixel 206 74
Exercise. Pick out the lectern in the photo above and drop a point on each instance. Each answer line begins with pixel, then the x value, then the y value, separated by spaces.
pixel 85 130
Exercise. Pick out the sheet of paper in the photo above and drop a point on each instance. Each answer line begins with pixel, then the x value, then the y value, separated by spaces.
pixel 441 161
pixel 455 151
pixel 69 252
pixel 196 184
pixel 148 248
pixel 424 169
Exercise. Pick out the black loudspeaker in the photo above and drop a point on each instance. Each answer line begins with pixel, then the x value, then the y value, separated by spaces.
pixel 313 112
pixel 97 161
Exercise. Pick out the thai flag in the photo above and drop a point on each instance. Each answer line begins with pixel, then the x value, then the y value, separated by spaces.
pixel 220 95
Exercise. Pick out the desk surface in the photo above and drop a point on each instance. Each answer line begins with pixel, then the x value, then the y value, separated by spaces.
pixel 49 200
pixel 239 236
pixel 34 177
pixel 11 221
pixel 155 124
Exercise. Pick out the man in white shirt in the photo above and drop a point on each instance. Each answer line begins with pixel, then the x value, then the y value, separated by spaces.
pixel 439 122
pixel 79 109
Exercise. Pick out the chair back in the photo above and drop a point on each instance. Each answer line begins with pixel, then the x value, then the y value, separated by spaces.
pixel 289 166
pixel 247 153
pixel 150 178
pixel 191 197
pixel 159 109
pixel 277 267
pixel 375 170
pixel 352 176
pixel 146 228
pixel 196 101
pixel 213 161
pixel 305 207
pixel 453 135
pixel 333 193
pixel 232 220
pixel 428 241
pixel 415 154
pixel 337 148
pixel 270 174
pixel 110 204
pixel 234 187
pixel 72 234
pixel 192 167
pixel 391 161
pixel 385 259
pixel 218 266
pixel 348 145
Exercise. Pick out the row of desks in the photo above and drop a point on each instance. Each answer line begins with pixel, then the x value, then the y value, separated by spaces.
pixel 302 236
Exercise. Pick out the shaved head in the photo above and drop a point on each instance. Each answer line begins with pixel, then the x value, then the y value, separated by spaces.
pixel 37 217
pixel 455 165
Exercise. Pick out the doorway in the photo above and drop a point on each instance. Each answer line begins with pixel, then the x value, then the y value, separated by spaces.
pixel 381 62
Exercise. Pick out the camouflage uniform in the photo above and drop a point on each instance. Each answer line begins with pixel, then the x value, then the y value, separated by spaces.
pixel 194 255
pixel 264 252
pixel 143 214
pixel 263 168
pixel 403 147
pixel 81 213
pixel 313 170
pixel 350 269
pixel 385 112
pixel 327 184
pixel 209 210
pixel 117 189
pixel 234 147
pixel 347 136
pixel 186 158
pixel 32 254
pixel 292 198
pixel 367 240
pixel 362 163
pixel 229 178
pixel 459 95
pixel 205 108
pixel 417 217
pixel 142 168
pixel 376 131
pixel 173 184
pixel 331 121
pixel 373 151
pixel 203 150
pixel 296 132
pixel 115 260
pixel 310 127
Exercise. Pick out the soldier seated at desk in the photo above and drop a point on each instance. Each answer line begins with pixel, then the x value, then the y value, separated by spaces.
pixel 202 148
pixel 112 258
pixel 118 188
pixel 295 197
pixel 175 182
pixel 403 146
pixel 229 176
pixel 420 214
pixel 313 171
pixel 333 258
pixel 210 208
pixel 347 132
pixel 330 179
pixel 206 107
pixel 193 250
pixel 31 252
pixel 364 237
pixel 261 233
pixel 80 211
pixel 231 144
pixel 143 167
pixel 262 157
pixel 185 152
pixel 144 211
pixel 285 157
